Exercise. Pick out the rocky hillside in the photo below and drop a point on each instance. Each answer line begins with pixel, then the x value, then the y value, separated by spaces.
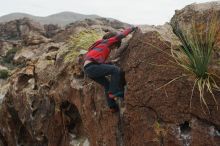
pixel 47 101
pixel 60 19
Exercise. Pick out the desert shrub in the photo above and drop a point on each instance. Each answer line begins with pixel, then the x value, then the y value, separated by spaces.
pixel 10 55
pixel 4 74
pixel 84 39
pixel 196 53
pixel 81 41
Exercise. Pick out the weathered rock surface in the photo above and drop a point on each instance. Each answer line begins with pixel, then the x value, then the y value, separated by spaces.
pixel 199 14
pixel 50 103
pixel 51 30
pixel 162 114
pixel 34 116
pixel 5 46
pixel 34 52
pixel 30 32
pixel 100 24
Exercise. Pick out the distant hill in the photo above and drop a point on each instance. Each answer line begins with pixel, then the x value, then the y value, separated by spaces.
pixel 61 19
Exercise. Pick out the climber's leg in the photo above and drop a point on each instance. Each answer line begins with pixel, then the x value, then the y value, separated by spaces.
pixel 100 70
pixel 105 83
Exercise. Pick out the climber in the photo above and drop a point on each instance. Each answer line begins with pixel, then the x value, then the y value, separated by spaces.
pixel 97 68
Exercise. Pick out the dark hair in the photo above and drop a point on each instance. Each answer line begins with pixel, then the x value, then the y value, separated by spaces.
pixel 110 35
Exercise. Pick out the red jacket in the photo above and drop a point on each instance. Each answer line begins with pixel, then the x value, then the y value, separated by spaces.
pixel 100 50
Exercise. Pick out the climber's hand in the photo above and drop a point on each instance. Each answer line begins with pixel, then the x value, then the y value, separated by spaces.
pixel 135 28
pixel 112 61
pixel 115 60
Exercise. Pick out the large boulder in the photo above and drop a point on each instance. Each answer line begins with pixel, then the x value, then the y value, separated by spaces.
pixel 51 30
pixel 162 113
pixel 34 52
pixel 199 14
pixel 51 85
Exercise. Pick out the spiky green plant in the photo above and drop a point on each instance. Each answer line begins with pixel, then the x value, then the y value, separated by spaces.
pixel 195 56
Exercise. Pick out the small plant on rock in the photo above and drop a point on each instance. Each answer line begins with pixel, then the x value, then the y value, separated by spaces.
pixel 4 74
pixel 10 55
pixel 195 56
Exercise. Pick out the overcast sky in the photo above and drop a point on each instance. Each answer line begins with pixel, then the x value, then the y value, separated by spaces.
pixel 131 11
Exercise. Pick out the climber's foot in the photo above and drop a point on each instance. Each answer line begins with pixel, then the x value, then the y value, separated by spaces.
pixel 110 95
pixel 114 109
pixel 116 95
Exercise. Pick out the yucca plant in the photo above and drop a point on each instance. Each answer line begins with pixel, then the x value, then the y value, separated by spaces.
pixel 195 56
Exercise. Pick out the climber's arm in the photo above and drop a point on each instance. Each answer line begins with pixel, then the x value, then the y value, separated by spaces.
pixel 120 36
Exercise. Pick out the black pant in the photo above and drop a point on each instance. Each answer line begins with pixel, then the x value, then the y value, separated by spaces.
pixel 98 73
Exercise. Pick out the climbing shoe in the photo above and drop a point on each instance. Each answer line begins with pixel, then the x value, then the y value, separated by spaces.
pixel 110 95
pixel 116 95
pixel 114 109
